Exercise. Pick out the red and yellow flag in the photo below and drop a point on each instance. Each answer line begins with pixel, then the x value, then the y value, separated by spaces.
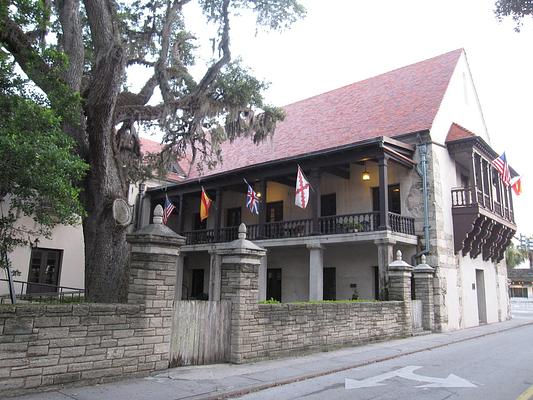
pixel 205 204
pixel 516 184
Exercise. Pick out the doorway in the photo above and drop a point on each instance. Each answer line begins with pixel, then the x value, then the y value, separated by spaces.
pixel 44 270
pixel 274 284
pixel 329 284
pixel 481 301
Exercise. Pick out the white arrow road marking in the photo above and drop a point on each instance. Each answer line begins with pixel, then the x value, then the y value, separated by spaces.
pixel 408 373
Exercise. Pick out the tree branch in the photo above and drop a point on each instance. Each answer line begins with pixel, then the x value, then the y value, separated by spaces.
pixel 20 46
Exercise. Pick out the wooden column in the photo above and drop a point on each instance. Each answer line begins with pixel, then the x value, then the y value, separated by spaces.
pixel 218 214
pixel 314 200
pixel 511 207
pixel 489 173
pixel 383 193
pixel 262 207
pixel 482 176
pixel 473 181
pixel 180 214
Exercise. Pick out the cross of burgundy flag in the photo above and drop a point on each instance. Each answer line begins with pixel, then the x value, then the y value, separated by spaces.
pixel 205 204
pixel 502 166
pixel 169 207
pixel 302 190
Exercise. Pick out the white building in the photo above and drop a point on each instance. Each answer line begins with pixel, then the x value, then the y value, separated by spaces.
pixel 340 246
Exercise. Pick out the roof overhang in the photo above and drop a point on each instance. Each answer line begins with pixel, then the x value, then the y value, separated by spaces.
pixel 365 150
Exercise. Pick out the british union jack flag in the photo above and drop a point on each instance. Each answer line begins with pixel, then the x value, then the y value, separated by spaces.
pixel 252 201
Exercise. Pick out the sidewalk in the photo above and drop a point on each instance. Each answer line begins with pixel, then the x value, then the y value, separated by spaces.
pixel 230 381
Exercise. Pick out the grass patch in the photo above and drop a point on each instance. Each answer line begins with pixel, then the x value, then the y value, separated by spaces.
pixel 272 301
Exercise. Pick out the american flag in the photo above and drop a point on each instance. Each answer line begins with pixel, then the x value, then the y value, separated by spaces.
pixel 252 201
pixel 501 165
pixel 169 207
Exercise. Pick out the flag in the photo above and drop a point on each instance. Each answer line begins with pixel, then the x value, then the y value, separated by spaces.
pixel 252 201
pixel 516 184
pixel 501 165
pixel 169 207
pixel 302 189
pixel 205 204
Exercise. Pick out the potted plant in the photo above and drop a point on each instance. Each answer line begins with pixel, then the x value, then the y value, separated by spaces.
pixel 353 227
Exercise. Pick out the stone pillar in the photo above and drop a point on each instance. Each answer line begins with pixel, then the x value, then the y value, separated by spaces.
pixel 385 257
pixel 423 274
pixel 400 289
pixel 154 257
pixel 214 276
pixel 240 285
pixel 316 271
pixel 263 279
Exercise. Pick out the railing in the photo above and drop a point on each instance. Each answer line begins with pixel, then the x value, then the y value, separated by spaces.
pixel 32 291
pixel 330 225
pixel 349 223
pixel 401 224
pixel 201 236
pixel 464 197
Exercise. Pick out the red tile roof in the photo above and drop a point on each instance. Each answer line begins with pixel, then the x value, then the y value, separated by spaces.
pixel 457 132
pixel 398 102
pixel 153 147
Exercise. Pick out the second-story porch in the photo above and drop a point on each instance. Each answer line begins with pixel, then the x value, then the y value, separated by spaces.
pixel 362 188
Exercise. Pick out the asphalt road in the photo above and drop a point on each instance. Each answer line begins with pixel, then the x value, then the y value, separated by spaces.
pixel 494 367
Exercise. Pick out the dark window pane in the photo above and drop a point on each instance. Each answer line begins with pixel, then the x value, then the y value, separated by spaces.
pixel 328 204
pixel 233 216
pixel 274 211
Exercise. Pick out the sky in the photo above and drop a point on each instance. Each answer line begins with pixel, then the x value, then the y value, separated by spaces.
pixel 344 41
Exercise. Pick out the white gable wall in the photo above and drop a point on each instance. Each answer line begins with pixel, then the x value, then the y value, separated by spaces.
pixel 457 273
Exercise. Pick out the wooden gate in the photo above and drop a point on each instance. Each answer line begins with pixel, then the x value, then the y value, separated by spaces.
pixel 416 315
pixel 200 332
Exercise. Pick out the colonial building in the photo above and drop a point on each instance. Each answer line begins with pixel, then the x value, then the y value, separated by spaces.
pixel 398 161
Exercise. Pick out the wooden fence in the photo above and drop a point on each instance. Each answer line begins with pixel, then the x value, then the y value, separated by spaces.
pixel 200 332
pixel 416 315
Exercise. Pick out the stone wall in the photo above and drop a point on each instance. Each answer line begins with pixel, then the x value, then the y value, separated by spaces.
pixel 288 329
pixel 50 345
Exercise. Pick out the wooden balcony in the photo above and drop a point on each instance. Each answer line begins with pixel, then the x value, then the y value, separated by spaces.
pixel 331 225
pixel 481 224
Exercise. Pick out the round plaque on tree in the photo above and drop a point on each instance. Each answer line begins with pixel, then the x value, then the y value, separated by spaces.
pixel 121 212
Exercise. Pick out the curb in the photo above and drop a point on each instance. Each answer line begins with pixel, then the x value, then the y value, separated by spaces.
pixel 268 385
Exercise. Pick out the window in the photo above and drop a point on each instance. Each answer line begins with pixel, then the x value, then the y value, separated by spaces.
pixel 197 224
pixel 328 204
pixel 274 284
pixel 394 199
pixel 233 216
pixel 45 265
pixel 518 292
pixel 274 211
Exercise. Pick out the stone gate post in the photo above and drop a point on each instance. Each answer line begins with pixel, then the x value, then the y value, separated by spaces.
pixel 240 284
pixel 155 249
pixel 400 288
pixel 423 274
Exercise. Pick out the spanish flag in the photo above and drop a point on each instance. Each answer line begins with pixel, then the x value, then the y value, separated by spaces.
pixel 516 184
pixel 205 204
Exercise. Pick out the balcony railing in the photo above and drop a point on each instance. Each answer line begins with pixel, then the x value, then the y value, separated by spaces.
pixel 468 197
pixel 331 225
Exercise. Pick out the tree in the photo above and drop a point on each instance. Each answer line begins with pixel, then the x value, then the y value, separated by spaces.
pixel 515 256
pixel 39 169
pixel 72 49
pixel 517 9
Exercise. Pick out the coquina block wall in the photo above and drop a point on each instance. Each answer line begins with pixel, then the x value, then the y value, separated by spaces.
pixel 260 331
pixel 50 345
pixel 57 344
pixel 279 330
